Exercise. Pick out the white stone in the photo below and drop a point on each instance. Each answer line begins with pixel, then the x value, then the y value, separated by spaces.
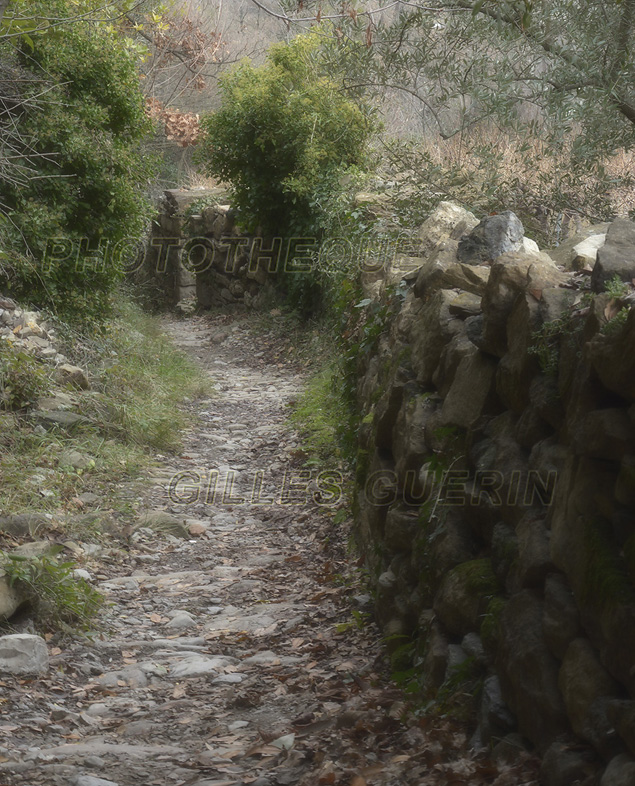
pixel 530 246
pixel 197 666
pixel 90 780
pixel 24 654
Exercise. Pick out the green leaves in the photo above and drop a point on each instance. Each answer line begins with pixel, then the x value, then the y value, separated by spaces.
pixel 79 130
pixel 282 132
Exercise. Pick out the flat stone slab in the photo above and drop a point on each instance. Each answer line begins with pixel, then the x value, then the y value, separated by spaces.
pixel 197 666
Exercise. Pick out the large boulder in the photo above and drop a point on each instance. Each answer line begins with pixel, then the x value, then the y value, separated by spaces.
pixel 408 437
pixel 463 595
pixel 511 275
pixel 471 393
pixel 431 331
pixel 620 772
pixel 613 358
pixel 528 671
pixel 449 221
pixel 580 251
pixel 604 434
pixel 442 270
pixel 616 258
pixel 583 680
pixel 494 236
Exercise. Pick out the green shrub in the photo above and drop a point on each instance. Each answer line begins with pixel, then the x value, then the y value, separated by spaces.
pixel 80 126
pixel 22 378
pixel 283 136
pixel 58 596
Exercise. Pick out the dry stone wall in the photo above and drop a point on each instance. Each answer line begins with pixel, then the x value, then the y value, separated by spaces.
pixel 197 255
pixel 496 481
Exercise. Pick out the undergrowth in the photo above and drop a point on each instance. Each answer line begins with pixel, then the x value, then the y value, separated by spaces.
pixel 58 596
pixel 319 415
pixel 132 411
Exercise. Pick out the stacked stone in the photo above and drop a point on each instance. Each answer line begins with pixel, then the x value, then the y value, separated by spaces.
pixel 28 331
pixel 496 481
pixel 204 258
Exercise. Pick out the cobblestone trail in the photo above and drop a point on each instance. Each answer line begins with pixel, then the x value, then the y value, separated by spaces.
pixel 231 656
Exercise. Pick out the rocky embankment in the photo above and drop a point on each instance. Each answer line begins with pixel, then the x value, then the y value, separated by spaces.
pixel 496 481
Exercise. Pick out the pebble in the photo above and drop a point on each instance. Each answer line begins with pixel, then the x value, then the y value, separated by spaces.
pixel 181 620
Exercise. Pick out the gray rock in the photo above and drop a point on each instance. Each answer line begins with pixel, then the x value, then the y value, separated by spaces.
pixel 561 618
pixel 10 599
pixel 196 666
pixel 456 658
pixel 528 671
pixel 181 620
pixel 76 460
pixel 474 330
pixel 91 780
pixel 511 275
pixel 38 548
pixel 228 679
pixel 613 358
pixel 620 772
pixel 23 654
pixel 73 376
pixel 95 762
pixel 534 554
pixel 492 237
pixel 465 305
pixel 133 677
pixel 471 392
pixel 604 434
pixel 583 680
pixel 463 595
pixel 580 251
pixel 447 221
pixel 161 521
pixel 473 647
pixel 616 258
pixel 433 328
pixel 402 525
pixel 408 434
pixel 51 419
pixel 495 717
pixel 564 764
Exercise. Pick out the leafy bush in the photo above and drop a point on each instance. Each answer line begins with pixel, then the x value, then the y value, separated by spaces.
pixel 79 123
pixel 22 378
pixel 57 595
pixel 283 137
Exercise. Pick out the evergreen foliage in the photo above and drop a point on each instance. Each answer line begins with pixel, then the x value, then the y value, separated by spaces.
pixel 81 175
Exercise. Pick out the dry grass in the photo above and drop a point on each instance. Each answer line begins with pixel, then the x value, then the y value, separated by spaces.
pixel 489 170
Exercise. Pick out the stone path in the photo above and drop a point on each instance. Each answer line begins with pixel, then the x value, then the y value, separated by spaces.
pixel 231 656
